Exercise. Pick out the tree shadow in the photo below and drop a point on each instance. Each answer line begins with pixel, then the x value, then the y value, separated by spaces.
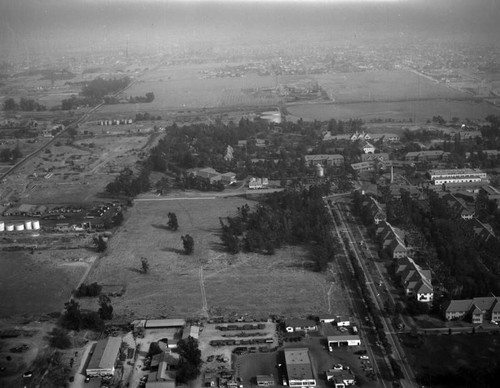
pixel 161 226
pixel 137 270
pixel 174 250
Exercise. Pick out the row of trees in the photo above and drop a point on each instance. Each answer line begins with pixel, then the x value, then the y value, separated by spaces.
pixel 74 318
pixel 25 104
pixel 128 184
pixel 288 217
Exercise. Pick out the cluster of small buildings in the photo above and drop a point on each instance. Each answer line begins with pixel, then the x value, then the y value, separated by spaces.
pixel 477 310
pixel 106 122
pixel 258 183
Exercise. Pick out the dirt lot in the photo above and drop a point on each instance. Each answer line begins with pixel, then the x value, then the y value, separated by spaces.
pixel 210 280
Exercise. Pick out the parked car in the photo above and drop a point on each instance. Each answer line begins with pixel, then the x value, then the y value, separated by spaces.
pixel 494 322
pixel 364 357
pixel 28 373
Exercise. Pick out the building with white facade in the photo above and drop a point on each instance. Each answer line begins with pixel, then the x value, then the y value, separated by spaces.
pixel 460 175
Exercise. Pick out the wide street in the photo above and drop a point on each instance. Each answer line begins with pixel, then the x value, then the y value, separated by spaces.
pixel 345 230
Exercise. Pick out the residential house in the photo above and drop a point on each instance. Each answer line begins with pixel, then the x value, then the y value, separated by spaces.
pixel 340 378
pixel 415 280
pixel 163 370
pixel 337 341
pixel 477 310
pixel 368 148
pixel 228 178
pixel 376 210
pixel 382 156
pixel 427 156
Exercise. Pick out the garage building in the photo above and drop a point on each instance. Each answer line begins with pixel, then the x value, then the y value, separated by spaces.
pixel 343 340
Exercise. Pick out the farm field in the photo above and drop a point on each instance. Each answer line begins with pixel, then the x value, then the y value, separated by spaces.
pixel 419 111
pixel 184 87
pixel 209 281
pixel 383 86
pixel 38 284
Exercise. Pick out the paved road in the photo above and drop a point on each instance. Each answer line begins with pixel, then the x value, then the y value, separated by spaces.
pixel 398 352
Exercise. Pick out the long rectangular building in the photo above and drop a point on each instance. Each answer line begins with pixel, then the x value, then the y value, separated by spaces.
pixel 459 175
pixel 299 369
pixel 104 357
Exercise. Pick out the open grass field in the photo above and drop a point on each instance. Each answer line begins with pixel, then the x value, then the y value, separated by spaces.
pixel 38 284
pixel 418 111
pixel 383 86
pixel 209 281
pixel 185 87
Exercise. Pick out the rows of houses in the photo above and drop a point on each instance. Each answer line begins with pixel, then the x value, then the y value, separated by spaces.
pixel 477 310
pixel 416 281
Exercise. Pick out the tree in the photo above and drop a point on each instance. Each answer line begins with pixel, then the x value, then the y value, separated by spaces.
pixel 105 308
pixel 100 244
pixel 10 104
pixel 59 338
pixel 188 243
pixel 189 365
pixel 72 317
pixel 144 265
pixel 172 222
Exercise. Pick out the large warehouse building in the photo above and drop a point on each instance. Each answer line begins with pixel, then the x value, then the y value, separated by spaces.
pixel 298 367
pixel 104 358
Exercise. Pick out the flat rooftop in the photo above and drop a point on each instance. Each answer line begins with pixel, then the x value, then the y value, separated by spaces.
pixel 298 364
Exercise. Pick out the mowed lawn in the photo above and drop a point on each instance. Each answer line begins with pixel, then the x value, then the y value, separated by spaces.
pixel 173 287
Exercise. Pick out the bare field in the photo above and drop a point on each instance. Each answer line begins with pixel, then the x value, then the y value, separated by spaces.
pixel 419 111
pixel 38 284
pixel 209 280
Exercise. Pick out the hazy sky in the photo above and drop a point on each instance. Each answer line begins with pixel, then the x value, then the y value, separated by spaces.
pixel 50 24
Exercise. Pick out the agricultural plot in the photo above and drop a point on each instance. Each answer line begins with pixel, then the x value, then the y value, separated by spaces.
pixel 186 88
pixel 209 281
pixel 383 86
pixel 418 111
pixel 38 284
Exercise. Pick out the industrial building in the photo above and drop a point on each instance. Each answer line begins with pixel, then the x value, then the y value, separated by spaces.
pixel 104 358
pixel 460 175
pixel 298 366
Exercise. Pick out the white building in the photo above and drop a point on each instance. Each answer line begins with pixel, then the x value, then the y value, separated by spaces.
pixel 460 175
pixel 104 358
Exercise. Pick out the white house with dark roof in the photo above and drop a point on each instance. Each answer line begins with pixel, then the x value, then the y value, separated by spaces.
pixel 415 280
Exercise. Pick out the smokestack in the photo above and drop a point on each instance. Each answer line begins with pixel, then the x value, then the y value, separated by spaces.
pixel 392 174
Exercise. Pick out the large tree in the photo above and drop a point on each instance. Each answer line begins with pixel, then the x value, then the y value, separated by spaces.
pixel 188 243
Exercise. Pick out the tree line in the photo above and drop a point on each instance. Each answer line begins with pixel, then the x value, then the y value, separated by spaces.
pixel 24 104
pixel 289 217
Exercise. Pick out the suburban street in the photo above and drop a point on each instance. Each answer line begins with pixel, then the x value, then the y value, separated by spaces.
pixel 354 237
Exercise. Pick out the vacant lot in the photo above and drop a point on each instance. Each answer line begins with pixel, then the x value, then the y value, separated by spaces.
pixel 210 280
pixel 38 284
pixel 418 111
pixel 372 86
